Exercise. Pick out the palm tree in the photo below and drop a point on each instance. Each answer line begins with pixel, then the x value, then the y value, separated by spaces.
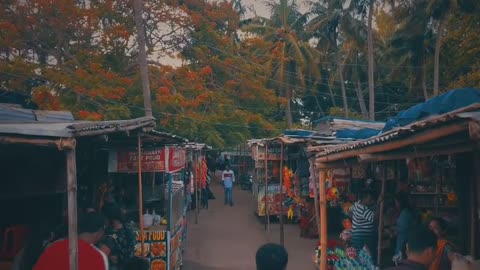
pixel 440 11
pixel 335 26
pixel 292 56
pixel 410 45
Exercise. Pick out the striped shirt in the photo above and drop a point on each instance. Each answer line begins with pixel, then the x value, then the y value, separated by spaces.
pixel 363 223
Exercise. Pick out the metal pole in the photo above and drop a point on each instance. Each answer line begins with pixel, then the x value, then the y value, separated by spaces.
pixel 267 212
pixel 140 192
pixel 282 232
pixel 72 208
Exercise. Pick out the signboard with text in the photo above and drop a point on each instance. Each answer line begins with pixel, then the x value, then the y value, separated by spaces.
pixel 155 248
pixel 153 160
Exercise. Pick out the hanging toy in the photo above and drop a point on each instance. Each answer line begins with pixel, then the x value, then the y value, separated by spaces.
pixel 347 224
pixel 452 197
pixel 290 212
pixel 346 207
pixel 332 194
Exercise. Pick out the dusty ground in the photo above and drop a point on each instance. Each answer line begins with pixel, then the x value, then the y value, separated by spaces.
pixel 226 238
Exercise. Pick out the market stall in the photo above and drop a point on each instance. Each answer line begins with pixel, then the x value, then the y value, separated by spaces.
pixel 160 197
pixel 47 145
pixel 429 151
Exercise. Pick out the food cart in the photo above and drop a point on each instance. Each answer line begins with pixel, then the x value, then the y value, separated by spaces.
pixel 159 239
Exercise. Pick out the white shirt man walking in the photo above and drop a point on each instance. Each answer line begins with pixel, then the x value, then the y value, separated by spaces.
pixel 228 177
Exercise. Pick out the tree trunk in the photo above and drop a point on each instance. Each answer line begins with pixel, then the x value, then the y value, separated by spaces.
pixel 288 109
pixel 436 64
pixel 344 91
pixel 142 58
pixel 371 83
pixel 424 80
pixel 361 99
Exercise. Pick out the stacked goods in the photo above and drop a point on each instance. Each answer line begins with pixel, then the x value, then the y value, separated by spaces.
pixel 346 259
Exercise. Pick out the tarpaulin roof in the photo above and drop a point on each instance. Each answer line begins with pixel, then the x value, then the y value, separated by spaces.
pixel 470 112
pixel 450 101
pixel 342 128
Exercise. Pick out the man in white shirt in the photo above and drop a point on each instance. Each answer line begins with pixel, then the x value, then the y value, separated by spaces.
pixel 228 177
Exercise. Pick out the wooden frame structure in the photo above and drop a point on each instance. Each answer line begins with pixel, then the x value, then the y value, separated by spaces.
pixel 450 133
pixel 64 137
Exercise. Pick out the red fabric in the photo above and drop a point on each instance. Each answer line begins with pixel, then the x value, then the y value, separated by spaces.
pixel 56 257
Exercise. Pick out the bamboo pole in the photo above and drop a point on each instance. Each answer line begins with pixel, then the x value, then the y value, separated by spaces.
pixel 140 192
pixel 267 213
pixel 282 232
pixel 72 208
pixel 200 179
pixel 195 185
pixel 447 150
pixel 60 144
pixel 419 138
pixel 315 194
pixel 380 216
pixel 323 220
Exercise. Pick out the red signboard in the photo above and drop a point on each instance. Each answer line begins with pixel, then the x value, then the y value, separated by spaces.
pixel 126 161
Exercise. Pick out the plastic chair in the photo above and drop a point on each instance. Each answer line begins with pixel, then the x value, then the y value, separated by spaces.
pixel 13 241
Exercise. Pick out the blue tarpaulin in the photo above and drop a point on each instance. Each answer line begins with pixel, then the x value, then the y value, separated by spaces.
pixel 450 101
pixel 360 134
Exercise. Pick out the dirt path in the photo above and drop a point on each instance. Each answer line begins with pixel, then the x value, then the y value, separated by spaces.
pixel 227 237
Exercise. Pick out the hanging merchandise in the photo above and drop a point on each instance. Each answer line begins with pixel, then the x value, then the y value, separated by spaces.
pixel 290 212
pixel 332 194
pixel 287 181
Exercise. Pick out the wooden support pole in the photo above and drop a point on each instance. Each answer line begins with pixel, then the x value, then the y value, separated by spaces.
pixel 200 178
pixel 313 175
pixel 323 220
pixel 380 216
pixel 60 144
pixel 475 206
pixel 267 212
pixel 417 139
pixel 282 232
pixel 195 184
pixel 72 208
pixel 140 192
pixel 447 150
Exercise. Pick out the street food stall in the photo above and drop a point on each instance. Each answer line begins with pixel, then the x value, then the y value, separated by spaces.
pixel 160 198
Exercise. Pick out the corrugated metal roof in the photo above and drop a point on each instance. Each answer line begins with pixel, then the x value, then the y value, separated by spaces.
pixel 74 129
pixel 197 146
pixel 407 130
pixel 14 114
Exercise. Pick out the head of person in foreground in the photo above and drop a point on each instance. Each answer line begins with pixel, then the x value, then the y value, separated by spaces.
pixel 271 257
pixel 421 246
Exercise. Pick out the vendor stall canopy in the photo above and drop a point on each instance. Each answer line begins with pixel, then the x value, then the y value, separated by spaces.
pixel 452 107
pixel 15 120
pixel 450 101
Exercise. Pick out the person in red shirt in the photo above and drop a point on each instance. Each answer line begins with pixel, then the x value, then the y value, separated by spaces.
pixel 91 230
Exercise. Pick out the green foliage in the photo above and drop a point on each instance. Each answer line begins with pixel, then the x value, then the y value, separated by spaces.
pixel 239 78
